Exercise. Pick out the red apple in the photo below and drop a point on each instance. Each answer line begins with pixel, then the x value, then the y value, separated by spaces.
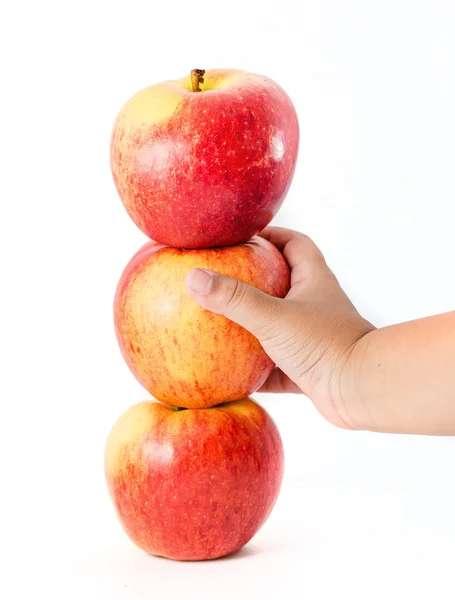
pixel 181 353
pixel 193 484
pixel 205 168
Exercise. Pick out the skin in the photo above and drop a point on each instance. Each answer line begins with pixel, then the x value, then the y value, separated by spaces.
pixel 396 379
pixel 198 170
pixel 182 354
pixel 193 484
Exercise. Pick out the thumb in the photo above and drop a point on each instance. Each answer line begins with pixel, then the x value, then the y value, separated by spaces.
pixel 242 303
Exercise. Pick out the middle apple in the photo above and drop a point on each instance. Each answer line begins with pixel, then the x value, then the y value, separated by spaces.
pixel 181 353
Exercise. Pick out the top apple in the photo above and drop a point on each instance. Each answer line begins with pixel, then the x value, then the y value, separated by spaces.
pixel 205 160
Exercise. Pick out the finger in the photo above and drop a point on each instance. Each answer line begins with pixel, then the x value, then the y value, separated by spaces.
pixel 278 236
pixel 279 383
pixel 244 304
pixel 295 246
pixel 301 253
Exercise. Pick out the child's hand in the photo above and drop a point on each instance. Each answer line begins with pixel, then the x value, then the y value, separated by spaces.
pixel 309 335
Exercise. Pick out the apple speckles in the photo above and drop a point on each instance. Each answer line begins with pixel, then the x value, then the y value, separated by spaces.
pixel 198 484
pixel 199 500
pixel 203 192
pixel 188 355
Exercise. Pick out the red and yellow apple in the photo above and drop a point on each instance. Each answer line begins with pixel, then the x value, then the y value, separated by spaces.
pixel 204 168
pixel 193 484
pixel 181 353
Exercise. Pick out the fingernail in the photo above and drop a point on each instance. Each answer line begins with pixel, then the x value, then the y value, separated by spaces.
pixel 200 281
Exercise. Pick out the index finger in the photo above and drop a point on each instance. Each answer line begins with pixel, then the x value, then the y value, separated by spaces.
pixel 297 248
pixel 278 236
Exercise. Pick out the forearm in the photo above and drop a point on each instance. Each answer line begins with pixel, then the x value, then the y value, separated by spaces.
pixel 401 378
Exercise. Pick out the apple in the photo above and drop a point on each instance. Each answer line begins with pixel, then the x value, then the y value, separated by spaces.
pixel 181 353
pixel 205 160
pixel 194 484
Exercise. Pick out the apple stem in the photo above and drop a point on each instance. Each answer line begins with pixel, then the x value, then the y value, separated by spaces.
pixel 197 77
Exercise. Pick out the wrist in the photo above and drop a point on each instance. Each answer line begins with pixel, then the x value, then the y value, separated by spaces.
pixel 349 397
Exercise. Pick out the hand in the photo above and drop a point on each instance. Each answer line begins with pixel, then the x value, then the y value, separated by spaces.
pixel 310 334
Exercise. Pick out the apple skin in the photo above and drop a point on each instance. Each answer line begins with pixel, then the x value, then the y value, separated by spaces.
pixel 194 484
pixel 181 353
pixel 212 168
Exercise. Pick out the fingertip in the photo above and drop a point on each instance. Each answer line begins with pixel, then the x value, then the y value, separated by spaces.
pixel 279 383
pixel 280 236
pixel 267 232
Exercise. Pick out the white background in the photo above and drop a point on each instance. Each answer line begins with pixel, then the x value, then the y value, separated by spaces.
pixel 360 515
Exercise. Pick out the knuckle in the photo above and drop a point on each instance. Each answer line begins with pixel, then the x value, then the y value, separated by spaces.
pixel 234 294
pixel 271 322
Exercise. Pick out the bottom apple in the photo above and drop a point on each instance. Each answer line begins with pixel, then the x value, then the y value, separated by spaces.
pixel 194 484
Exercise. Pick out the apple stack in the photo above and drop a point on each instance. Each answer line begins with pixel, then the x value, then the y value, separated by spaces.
pixel 202 165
